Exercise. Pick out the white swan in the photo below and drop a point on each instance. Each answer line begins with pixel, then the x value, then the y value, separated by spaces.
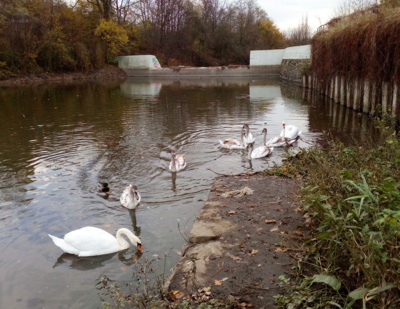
pixel 92 241
pixel 233 143
pixel 178 162
pixel 130 197
pixel 288 136
pixel 290 131
pixel 248 137
pixel 261 151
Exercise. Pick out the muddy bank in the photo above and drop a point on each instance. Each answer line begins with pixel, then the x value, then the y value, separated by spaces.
pixel 246 235
pixel 109 72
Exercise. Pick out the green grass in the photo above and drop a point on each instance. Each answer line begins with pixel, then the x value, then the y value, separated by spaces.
pixel 351 194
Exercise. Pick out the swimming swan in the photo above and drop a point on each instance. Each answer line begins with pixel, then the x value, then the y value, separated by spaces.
pixel 290 131
pixel 130 197
pixel 92 241
pixel 248 137
pixel 261 151
pixel 288 136
pixel 178 162
pixel 233 143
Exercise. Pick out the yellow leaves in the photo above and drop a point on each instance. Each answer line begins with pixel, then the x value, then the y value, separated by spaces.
pixel 175 294
pixel 113 35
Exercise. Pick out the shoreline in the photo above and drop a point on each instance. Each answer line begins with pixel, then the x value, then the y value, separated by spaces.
pixel 246 235
pixel 108 72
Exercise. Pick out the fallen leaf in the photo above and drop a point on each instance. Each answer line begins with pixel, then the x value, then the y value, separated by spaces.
pixel 270 221
pixel 254 251
pixel 232 212
pixel 274 229
pixel 224 279
pixel 205 289
pixel 235 258
pixel 298 233
pixel 107 225
pixel 242 245
pixel 176 294
pixel 282 249
pixel 217 282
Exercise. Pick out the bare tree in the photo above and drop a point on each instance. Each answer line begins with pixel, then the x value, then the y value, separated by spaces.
pixel 299 35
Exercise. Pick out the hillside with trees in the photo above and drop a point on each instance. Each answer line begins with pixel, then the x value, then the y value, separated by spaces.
pixel 62 36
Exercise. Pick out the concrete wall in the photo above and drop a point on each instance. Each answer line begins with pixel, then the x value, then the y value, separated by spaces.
pixel 297 52
pixel 138 62
pixel 295 61
pixel 266 57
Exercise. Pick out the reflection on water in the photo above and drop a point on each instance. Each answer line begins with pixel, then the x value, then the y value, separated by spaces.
pixel 58 142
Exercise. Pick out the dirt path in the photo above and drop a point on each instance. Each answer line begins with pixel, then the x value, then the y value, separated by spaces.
pixel 241 242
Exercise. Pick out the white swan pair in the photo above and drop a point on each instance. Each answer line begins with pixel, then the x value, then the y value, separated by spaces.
pixel 92 241
pixel 246 137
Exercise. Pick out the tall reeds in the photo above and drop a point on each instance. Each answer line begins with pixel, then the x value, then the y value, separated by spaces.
pixel 364 45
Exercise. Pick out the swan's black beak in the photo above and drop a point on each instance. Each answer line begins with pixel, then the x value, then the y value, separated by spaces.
pixel 139 247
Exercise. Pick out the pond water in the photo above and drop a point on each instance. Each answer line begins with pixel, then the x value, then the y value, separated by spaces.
pixel 58 141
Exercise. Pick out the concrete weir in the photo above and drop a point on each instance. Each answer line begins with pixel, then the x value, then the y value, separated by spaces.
pixel 263 63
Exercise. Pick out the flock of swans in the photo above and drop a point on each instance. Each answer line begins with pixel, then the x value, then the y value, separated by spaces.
pixel 288 135
pixel 92 241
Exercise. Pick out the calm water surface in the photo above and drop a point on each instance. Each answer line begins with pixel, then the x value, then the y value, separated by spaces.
pixel 57 142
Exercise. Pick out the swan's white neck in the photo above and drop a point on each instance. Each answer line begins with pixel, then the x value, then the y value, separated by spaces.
pixel 121 240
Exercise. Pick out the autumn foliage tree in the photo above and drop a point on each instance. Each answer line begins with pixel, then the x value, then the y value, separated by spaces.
pixel 55 35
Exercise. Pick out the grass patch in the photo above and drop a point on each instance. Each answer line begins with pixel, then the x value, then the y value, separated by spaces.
pixel 352 200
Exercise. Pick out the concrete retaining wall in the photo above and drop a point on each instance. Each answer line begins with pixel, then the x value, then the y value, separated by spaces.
pixel 266 57
pixel 138 62
pixel 361 95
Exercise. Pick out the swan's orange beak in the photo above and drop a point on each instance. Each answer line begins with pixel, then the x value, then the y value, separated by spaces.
pixel 140 248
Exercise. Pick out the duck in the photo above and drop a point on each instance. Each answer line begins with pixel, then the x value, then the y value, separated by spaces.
pixel 103 187
pixel 178 162
pixel 130 197
pixel 261 151
pixel 248 136
pixel 288 135
pixel 233 143
pixel 93 241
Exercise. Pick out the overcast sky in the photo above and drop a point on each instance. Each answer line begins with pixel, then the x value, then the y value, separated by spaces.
pixel 288 14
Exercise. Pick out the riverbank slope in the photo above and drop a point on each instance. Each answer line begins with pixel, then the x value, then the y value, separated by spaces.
pixel 246 236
